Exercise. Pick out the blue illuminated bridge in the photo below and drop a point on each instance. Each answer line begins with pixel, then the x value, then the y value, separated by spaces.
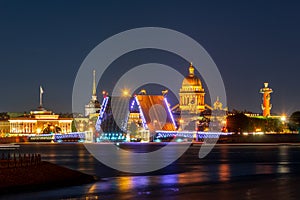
pixel 186 136
pixel 57 137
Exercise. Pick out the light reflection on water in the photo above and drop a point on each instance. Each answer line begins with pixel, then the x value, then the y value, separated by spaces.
pixel 223 164
pixel 142 183
pixel 224 172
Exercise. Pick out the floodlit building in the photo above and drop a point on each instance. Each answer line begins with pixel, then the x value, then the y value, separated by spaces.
pixel 191 105
pixel 4 126
pixel 40 121
pixel 191 94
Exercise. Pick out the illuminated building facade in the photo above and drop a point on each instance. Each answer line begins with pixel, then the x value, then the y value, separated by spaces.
pixel 40 121
pixel 191 103
pixel 218 117
pixel 4 126
pixel 81 123
pixel 266 106
pixel 218 105
pixel 191 94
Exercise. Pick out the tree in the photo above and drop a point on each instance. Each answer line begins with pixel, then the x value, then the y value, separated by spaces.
pixel 4 116
pixel 273 125
pixel 257 123
pixel 74 129
pixel 294 122
pixel 238 123
pixel 66 115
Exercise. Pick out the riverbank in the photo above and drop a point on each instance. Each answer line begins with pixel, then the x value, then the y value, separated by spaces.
pixel 264 138
pixel 43 176
pixel 13 139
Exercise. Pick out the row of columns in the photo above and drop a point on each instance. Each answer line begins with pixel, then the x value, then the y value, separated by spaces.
pixel 65 127
pixel 30 127
pixel 186 99
pixel 22 127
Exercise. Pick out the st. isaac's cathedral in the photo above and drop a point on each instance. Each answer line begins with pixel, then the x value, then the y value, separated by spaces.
pixel 191 94
pixel 192 112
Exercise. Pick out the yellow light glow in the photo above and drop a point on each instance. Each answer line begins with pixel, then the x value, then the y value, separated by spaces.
pixel 125 93
pixel 259 133
pixel 283 118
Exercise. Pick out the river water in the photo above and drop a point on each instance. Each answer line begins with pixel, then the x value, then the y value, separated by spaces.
pixel 237 171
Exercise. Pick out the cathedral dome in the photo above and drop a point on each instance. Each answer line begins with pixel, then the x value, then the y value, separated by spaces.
pixel 191 79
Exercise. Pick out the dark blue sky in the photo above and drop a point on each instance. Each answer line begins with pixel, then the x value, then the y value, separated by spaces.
pixel 45 42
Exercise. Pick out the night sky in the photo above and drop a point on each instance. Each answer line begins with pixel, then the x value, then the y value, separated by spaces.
pixel 45 42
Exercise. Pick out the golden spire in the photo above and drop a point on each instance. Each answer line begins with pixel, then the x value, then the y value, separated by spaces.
pixel 191 70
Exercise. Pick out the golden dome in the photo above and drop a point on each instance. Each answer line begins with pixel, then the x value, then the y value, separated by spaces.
pixel 191 79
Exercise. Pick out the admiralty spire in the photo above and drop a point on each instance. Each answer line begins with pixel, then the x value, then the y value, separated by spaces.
pixel 93 106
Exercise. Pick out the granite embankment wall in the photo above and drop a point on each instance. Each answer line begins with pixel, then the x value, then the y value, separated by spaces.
pixel 29 173
pixel 16 139
pixel 266 138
